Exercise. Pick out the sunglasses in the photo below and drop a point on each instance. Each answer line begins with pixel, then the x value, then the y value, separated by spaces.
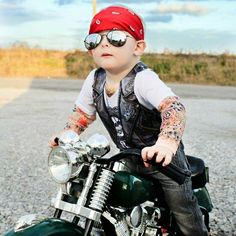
pixel 116 38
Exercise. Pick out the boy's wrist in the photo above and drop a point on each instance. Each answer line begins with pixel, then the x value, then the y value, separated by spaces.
pixel 75 128
pixel 168 143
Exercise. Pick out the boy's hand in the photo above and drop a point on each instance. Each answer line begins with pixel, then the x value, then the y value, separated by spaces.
pixel 52 142
pixel 163 150
pixel 160 152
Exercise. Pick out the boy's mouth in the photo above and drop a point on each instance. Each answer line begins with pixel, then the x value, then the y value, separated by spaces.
pixel 106 55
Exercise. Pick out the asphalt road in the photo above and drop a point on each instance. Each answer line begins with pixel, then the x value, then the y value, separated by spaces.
pixel 32 110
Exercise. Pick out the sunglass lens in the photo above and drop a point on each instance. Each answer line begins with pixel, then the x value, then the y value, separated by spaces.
pixel 116 38
pixel 92 41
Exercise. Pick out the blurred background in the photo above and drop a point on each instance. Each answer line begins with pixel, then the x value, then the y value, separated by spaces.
pixel 188 41
pixel 191 45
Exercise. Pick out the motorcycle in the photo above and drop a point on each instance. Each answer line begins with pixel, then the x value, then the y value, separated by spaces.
pixel 105 198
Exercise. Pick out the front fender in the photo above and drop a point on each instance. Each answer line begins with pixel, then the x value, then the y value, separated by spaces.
pixel 50 227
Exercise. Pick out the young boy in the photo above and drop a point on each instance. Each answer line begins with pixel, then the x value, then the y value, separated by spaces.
pixel 136 107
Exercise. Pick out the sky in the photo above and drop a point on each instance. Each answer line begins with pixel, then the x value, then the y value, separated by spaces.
pixel 194 26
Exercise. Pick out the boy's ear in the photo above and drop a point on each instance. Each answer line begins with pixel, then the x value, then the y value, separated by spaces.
pixel 139 48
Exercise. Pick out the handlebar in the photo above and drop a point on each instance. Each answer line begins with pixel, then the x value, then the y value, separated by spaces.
pixel 56 140
pixel 172 171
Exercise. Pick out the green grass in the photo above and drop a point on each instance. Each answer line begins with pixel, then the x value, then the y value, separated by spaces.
pixel 177 68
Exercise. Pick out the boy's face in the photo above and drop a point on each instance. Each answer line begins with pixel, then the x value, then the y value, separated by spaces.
pixel 115 59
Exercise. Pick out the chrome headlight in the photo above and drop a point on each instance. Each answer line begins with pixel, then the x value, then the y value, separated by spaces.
pixel 59 164
pixel 99 145
pixel 69 137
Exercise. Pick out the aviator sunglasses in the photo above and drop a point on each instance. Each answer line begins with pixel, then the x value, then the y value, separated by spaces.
pixel 116 38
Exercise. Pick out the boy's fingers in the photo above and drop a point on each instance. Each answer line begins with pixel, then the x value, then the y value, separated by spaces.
pixel 160 157
pixel 52 144
pixel 146 164
pixel 52 141
pixel 144 154
pixel 168 159
pixel 150 154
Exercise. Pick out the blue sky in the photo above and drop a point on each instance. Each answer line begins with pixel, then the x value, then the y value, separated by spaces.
pixel 171 25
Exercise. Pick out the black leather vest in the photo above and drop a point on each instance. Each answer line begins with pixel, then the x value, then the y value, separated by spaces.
pixel 140 125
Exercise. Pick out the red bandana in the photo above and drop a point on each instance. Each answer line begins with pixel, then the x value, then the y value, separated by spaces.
pixel 120 18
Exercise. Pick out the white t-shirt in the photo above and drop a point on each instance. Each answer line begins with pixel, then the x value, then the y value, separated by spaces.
pixel 148 88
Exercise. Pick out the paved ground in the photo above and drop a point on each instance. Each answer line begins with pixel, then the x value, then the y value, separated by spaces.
pixel 31 111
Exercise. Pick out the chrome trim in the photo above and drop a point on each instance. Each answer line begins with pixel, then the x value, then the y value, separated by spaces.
pixel 99 145
pixel 122 228
pixel 27 221
pixel 101 189
pixel 69 137
pixel 88 184
pixel 77 209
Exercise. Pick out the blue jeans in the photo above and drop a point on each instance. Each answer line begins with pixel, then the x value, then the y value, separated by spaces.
pixel 179 198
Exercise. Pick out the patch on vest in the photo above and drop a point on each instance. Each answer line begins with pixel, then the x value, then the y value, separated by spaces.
pixel 130 85
pixel 128 111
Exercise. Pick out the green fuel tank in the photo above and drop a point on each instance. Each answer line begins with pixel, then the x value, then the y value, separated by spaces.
pixel 129 190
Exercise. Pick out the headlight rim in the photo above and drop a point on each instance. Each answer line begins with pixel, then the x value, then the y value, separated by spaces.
pixel 69 165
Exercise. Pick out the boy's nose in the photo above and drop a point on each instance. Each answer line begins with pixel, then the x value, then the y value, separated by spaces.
pixel 104 41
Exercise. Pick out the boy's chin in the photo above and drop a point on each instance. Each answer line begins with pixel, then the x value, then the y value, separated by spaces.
pixel 108 66
pixel 113 66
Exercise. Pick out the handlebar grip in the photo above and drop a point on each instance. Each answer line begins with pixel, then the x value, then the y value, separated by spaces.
pixel 172 171
pixel 56 140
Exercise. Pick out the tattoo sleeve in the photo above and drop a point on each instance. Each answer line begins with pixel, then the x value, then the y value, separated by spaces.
pixel 79 120
pixel 173 119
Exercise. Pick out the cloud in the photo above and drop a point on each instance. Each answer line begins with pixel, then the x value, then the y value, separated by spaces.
pixel 194 0
pixel 64 2
pixel 187 8
pixel 11 14
pixel 193 40
pixel 67 2
pixel 158 18
pixel 137 1
pixel 125 1
pixel 4 4
pixel 12 2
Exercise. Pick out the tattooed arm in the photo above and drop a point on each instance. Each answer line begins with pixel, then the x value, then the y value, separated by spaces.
pixel 78 120
pixel 171 131
pixel 173 122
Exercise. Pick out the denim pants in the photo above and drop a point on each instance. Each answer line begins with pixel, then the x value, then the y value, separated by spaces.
pixel 179 198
